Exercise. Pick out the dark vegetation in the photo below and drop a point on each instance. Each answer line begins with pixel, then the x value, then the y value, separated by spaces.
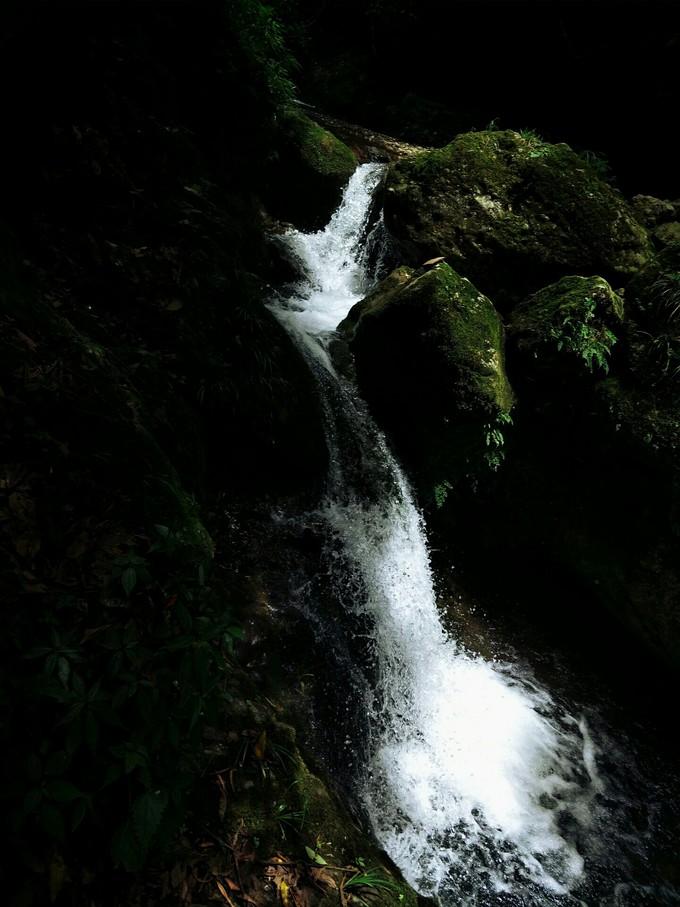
pixel 600 75
pixel 144 388
pixel 150 403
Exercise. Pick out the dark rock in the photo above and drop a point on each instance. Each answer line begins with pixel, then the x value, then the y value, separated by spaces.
pixel 306 181
pixel 512 213
pixel 429 356
pixel 667 234
pixel 651 211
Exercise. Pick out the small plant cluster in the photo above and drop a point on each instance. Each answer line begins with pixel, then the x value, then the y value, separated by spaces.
pixel 581 334
pixel 663 348
pixel 113 699
pixel 490 448
pixel 352 884
pixel 599 164
pixel 262 41
pixel 494 440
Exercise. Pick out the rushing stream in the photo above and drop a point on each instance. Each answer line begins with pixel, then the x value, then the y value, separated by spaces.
pixel 482 786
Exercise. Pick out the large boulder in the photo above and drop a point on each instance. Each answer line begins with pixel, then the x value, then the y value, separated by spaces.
pixel 429 357
pixel 308 174
pixel 512 213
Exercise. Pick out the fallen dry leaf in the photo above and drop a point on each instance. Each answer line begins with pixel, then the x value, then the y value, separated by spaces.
pixel 323 877
pixel 261 746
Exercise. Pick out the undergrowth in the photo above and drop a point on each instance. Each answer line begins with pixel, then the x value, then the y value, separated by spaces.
pixel 580 333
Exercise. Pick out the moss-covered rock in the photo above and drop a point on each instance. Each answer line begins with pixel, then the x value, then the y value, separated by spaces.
pixel 312 167
pixel 569 326
pixel 667 234
pixel 512 213
pixel 651 211
pixel 429 357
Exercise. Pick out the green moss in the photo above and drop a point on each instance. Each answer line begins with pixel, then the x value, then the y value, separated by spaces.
pixel 573 317
pixel 511 212
pixel 467 335
pixel 308 173
pixel 319 148
pixel 668 234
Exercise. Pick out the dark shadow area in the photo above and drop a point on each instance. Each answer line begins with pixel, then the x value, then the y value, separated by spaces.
pixel 602 76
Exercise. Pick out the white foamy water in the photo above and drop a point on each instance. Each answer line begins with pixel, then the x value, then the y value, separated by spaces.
pixel 473 772
pixel 333 260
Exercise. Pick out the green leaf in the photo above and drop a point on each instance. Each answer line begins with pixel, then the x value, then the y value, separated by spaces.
pixel 78 813
pixel 173 733
pixel 63 670
pixel 91 729
pixel 129 579
pixel 147 812
pixel 183 617
pixel 125 848
pixel 57 763
pixel 202 666
pixel 63 791
pixel 316 857
pixel 33 768
pixel 135 758
pixel 32 800
pixel 112 774
pixel 51 821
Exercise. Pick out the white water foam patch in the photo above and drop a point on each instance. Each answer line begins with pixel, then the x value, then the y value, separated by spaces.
pixel 467 761
pixel 333 260
pixel 472 766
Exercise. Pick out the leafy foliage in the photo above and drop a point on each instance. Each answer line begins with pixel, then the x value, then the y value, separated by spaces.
pixel 495 440
pixel 662 347
pixel 582 334
pixel 531 135
pixel 261 39
pixel 118 707
pixel 372 878
pixel 599 164
pixel 441 492
pixel 666 293
pixel 574 316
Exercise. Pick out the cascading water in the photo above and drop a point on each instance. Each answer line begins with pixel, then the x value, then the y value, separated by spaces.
pixel 481 787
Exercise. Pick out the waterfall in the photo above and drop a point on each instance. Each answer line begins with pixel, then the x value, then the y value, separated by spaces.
pixel 480 786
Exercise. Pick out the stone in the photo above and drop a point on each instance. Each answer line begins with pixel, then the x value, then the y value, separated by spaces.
pixel 429 354
pixel 512 213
